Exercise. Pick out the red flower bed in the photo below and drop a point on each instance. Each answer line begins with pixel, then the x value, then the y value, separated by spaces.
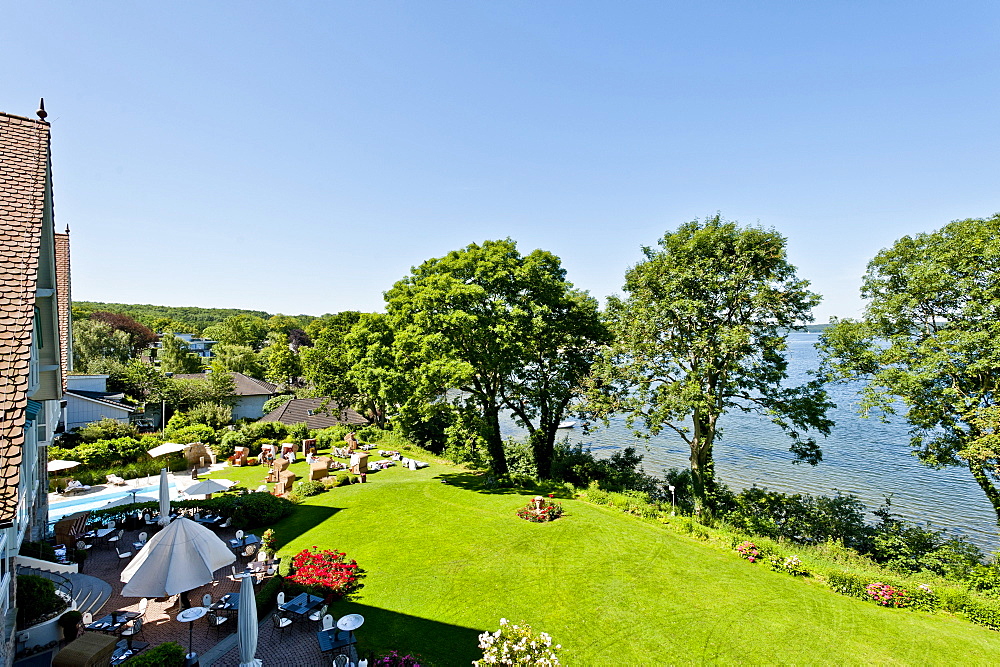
pixel 325 573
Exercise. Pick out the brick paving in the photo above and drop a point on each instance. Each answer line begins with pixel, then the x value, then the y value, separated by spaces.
pixel 297 647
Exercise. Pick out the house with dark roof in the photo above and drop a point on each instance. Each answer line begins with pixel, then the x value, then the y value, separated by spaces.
pixel 315 412
pixel 88 400
pixel 30 359
pixel 251 393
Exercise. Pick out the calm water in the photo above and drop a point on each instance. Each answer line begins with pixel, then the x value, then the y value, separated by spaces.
pixel 863 457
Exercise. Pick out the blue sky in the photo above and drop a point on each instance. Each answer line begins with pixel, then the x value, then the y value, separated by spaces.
pixel 301 157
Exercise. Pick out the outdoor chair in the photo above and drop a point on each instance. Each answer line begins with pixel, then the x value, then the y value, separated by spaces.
pixel 83 546
pixel 115 479
pixel 239 534
pixel 129 633
pixel 273 566
pixel 341 661
pixel 216 620
pixel 114 539
pixel 281 623
pixel 143 605
pixel 237 576
pixel 262 488
pixel 327 621
pixel 149 520
pixel 363 663
pixel 318 615
pixel 206 600
pixel 281 598
pixel 143 537
pixel 88 618
pixel 122 555
pixel 228 522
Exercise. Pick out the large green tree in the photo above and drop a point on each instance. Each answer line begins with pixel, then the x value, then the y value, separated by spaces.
pixel 237 359
pixel 929 345
pixel 702 332
pixel 247 330
pixel 175 357
pixel 506 329
pixel 94 342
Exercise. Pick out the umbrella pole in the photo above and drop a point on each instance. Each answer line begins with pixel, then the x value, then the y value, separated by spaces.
pixel 191 659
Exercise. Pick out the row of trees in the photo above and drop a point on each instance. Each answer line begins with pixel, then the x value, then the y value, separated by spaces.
pixel 700 332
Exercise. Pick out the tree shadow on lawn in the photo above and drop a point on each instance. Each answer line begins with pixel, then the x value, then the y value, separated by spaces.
pixel 304 518
pixel 436 642
pixel 476 482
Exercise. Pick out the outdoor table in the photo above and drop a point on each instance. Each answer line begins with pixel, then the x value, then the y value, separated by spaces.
pixel 302 604
pixel 101 533
pixel 138 545
pixel 350 623
pixel 247 539
pixel 332 640
pixel 189 616
pixel 123 651
pixel 114 622
pixel 228 602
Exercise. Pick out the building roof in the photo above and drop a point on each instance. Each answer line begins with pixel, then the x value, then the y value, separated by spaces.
pixel 245 385
pixel 104 397
pixel 315 412
pixel 64 302
pixel 24 166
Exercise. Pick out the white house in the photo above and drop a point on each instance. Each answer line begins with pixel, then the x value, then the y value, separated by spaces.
pixel 251 393
pixel 88 400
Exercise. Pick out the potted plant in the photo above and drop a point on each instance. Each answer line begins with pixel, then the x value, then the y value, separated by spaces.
pixel 70 622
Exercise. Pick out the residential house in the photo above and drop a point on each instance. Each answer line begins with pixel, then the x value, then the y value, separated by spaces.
pixel 199 346
pixel 315 412
pixel 88 400
pixel 30 359
pixel 251 393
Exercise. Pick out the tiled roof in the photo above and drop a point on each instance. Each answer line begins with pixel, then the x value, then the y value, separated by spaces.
pixel 24 160
pixel 110 398
pixel 64 301
pixel 245 385
pixel 326 413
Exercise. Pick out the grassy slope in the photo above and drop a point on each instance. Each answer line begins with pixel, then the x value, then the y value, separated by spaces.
pixel 445 562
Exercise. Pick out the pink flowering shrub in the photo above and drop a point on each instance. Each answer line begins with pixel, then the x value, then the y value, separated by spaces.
pixel 325 573
pixel 886 595
pixel 549 512
pixel 748 550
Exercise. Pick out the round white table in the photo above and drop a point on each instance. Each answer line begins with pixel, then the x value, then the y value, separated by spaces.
pixel 351 622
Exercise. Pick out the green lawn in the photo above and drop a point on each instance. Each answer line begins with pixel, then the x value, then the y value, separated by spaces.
pixel 445 562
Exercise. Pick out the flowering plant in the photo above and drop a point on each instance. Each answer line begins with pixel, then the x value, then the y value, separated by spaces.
pixel 792 565
pixel 326 573
pixel 267 542
pixel 540 511
pixel 517 645
pixel 394 659
pixel 748 550
pixel 886 595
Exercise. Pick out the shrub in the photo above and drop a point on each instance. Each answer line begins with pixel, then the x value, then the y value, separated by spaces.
pixel 39 550
pixel 848 584
pixel 345 479
pixel 266 597
pixel 36 598
pixel 985 577
pixel 325 573
pixel 886 595
pixel 69 623
pixel 749 551
pixel 924 598
pixel 309 488
pixel 791 564
pixel 107 429
pixel 260 509
pixel 268 543
pixel 548 511
pixel 332 437
pixel 169 654
pixel 517 645
pixel 395 659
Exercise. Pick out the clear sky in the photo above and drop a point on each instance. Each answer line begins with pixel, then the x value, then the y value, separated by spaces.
pixel 300 157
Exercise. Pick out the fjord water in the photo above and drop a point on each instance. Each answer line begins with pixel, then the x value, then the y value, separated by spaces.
pixel 862 457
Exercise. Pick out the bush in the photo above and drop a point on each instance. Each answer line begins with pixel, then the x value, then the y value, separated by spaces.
pixel 39 550
pixel 325 573
pixel 169 654
pixel 906 547
pixel 259 509
pixel 69 623
pixel 345 479
pixel 267 596
pixel 36 598
pixel 621 472
pixel 848 584
pixel 395 659
pixel 192 433
pixel 517 645
pixel 790 564
pixel 309 488
pixel 107 429
pixel 328 438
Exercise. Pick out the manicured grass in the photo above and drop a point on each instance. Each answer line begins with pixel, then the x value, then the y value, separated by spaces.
pixel 445 562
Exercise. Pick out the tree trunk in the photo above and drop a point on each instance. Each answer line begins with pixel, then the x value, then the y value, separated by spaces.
pixel 702 464
pixel 982 478
pixel 543 447
pixel 494 441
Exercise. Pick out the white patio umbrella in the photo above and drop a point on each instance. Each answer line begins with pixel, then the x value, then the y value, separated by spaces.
pixel 128 500
pixel 56 466
pixel 167 448
pixel 182 556
pixel 246 632
pixel 208 487
pixel 164 498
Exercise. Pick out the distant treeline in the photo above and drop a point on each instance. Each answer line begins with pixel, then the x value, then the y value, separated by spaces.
pixel 187 319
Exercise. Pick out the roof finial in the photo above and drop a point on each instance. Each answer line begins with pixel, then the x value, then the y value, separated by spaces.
pixel 67 229
pixel 41 113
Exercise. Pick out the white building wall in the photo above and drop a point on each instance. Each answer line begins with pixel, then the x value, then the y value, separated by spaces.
pixel 250 407
pixel 80 412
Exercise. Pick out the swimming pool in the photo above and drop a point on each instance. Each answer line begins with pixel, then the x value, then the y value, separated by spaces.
pixel 58 508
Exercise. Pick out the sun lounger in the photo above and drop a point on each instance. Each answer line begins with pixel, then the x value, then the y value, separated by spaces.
pixel 115 479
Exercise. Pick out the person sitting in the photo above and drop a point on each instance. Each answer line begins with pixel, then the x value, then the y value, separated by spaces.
pixel 75 485
pixel 310 458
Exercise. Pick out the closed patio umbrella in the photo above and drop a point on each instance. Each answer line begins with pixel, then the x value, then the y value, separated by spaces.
pixel 247 629
pixel 164 498
pixel 128 500
pixel 182 556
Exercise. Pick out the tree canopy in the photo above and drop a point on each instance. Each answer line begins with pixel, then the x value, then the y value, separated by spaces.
pixel 506 329
pixel 702 333
pixel 929 345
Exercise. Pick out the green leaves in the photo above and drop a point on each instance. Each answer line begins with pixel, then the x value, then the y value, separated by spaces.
pixel 929 344
pixel 702 332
